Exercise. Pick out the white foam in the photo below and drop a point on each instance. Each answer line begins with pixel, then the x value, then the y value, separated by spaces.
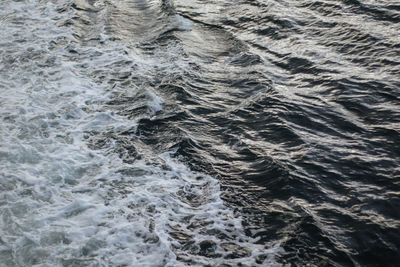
pixel 182 23
pixel 64 203
pixel 155 102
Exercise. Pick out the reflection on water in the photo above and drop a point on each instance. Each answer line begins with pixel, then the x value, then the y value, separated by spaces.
pixel 221 132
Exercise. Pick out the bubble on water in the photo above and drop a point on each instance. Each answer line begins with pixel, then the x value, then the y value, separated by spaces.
pixel 77 187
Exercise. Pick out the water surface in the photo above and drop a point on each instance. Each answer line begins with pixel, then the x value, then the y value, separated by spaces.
pixel 169 133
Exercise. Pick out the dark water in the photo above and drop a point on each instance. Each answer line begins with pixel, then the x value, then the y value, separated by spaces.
pixel 292 106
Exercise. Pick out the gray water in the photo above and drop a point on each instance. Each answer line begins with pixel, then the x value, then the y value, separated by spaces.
pixel 195 133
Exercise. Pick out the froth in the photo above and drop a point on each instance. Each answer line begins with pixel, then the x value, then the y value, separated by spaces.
pixel 68 196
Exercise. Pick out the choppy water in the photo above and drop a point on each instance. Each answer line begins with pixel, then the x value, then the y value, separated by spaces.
pixel 176 133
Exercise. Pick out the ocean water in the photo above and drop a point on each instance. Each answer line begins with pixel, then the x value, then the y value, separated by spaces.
pixel 199 133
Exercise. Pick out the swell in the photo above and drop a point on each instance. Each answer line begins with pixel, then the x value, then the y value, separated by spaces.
pixel 303 143
pixel 80 186
pixel 164 74
pixel 302 138
pixel 292 105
